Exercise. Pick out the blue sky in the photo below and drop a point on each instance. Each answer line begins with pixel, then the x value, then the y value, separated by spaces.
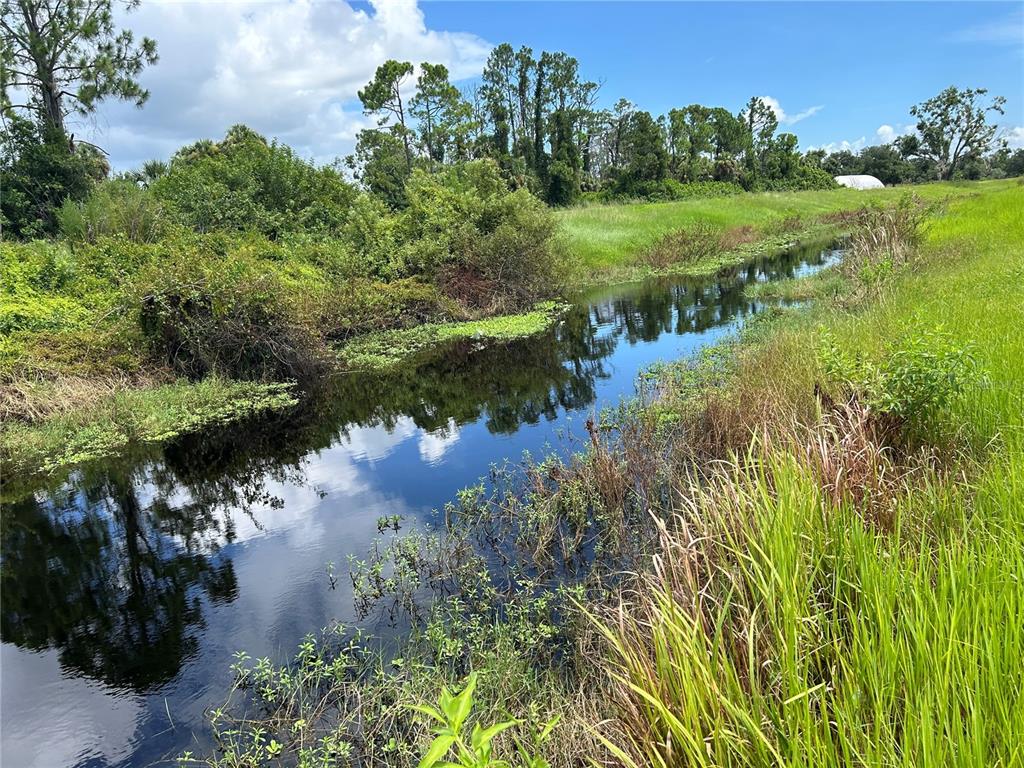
pixel 863 63
pixel 837 72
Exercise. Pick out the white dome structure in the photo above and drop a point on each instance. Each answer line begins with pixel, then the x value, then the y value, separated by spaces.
pixel 859 181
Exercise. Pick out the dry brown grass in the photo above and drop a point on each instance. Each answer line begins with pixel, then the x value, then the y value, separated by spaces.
pixel 851 453
pixel 36 399
pixel 841 217
pixel 734 237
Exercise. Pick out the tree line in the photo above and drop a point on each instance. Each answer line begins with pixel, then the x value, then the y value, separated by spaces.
pixel 535 115
pixel 953 138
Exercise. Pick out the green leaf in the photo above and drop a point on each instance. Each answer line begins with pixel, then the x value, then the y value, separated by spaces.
pixel 548 727
pixel 487 734
pixel 437 750
pixel 447 704
pixel 430 712
pixel 462 704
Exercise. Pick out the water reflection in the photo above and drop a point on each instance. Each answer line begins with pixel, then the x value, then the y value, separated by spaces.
pixel 109 580
pixel 142 576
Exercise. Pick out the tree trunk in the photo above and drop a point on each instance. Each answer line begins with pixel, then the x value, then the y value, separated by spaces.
pixel 53 113
pixel 405 132
pixel 538 117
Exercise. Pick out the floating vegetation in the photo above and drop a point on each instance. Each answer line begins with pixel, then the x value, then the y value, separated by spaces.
pixel 387 350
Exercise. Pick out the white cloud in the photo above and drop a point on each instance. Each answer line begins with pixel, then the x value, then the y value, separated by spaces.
pixel 289 70
pixel 839 146
pixel 374 443
pixel 786 119
pixel 886 134
pixel 1015 137
pixel 434 445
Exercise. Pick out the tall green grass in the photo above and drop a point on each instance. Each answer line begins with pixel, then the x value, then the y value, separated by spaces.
pixel 784 626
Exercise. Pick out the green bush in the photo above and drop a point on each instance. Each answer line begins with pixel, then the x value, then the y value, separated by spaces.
pixel 117 207
pixel 371 231
pixel 363 306
pixel 464 229
pixel 33 277
pixel 39 170
pixel 920 376
pixel 807 177
pixel 231 316
pixel 246 183
pixel 517 257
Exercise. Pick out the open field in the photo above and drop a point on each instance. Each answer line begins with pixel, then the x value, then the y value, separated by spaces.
pixel 610 237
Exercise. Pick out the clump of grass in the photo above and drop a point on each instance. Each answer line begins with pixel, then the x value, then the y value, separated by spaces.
pixel 699 242
pixel 826 284
pixel 31 400
pixel 778 627
pixel 735 237
pixel 884 241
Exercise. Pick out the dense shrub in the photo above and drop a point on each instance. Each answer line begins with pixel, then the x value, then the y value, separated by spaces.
pixel 371 232
pixel 236 304
pixel 464 228
pixel 39 170
pixel 670 189
pixel 919 376
pixel 807 177
pixel 517 256
pixel 246 183
pixel 230 316
pixel 117 207
pixel 362 306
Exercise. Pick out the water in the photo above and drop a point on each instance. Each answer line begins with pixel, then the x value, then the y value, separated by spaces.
pixel 127 587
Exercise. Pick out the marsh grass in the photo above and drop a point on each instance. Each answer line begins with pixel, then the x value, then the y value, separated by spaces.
pixel 701 241
pixel 830 596
pixel 781 628
pixel 126 417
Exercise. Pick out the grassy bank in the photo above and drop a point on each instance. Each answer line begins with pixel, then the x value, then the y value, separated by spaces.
pixel 135 417
pixel 846 592
pixel 615 238
pixel 804 549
